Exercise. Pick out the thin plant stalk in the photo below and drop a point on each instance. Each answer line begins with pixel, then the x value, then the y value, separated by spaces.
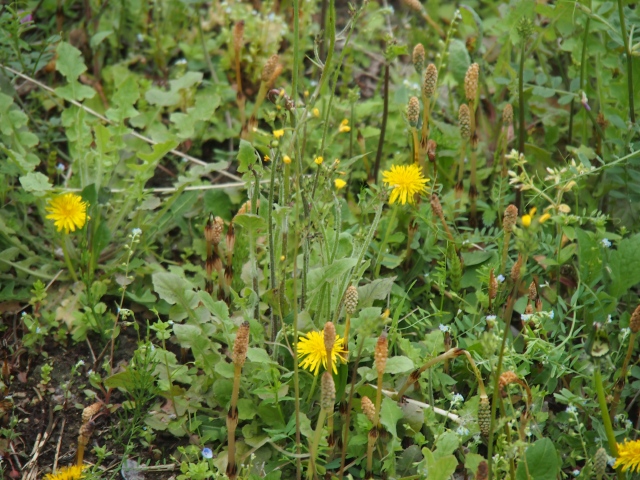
pixel 606 420
pixel 383 245
pixel 623 375
pixel 627 51
pixel 521 128
pixel 383 127
pixel 313 447
pixel 67 260
pixel 415 375
pixel 272 255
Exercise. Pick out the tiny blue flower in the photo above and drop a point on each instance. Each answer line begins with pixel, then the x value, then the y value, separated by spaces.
pixel 611 461
pixel 457 398
pixel 500 278
pixel 462 431
pixel 491 317
pixel 605 242
pixel 207 453
pixel 572 409
pixel 551 314
pixel 576 472
pixel 136 231
pixel 60 167
pixel 443 328
pixel 525 317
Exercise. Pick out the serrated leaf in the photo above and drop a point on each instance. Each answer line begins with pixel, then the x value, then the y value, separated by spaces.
pixel 250 221
pixel 69 62
pixel 246 156
pixel 36 183
pixel 379 289
pixel 173 289
pixel 159 151
pixel 589 257
pixel 390 413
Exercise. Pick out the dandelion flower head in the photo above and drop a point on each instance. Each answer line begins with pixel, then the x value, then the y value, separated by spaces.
pixel 628 456
pixel 67 473
pixel 311 347
pixel 339 183
pixel 68 212
pixel 278 133
pixel 406 181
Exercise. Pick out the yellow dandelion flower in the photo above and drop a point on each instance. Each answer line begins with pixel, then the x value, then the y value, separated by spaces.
pixel 526 221
pixel 312 347
pixel 67 473
pixel 286 159
pixel 344 126
pixel 406 181
pixel 339 183
pixel 318 160
pixel 316 113
pixel 628 456
pixel 68 212
pixel 278 133
pixel 266 158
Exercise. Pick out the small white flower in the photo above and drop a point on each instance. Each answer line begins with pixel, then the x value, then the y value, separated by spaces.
pixel 500 278
pixel 170 322
pixel 136 232
pixel 525 317
pixel 609 320
pixel 80 363
pixel 572 409
pixel 140 37
pixel 456 399
pixel 181 61
pixel 60 167
pixel 551 314
pixel 459 312
pixel 576 472
pixel 491 317
pixel 605 242
pixel 462 431
pixel 610 461
pixel 625 331
pixel 444 328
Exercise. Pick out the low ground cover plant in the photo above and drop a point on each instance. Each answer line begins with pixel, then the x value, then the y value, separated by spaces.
pixel 319 239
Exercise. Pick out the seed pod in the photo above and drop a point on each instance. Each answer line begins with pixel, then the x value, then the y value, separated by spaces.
pixel 464 120
pixel 413 5
pixel 431 150
pixel 327 392
pixel 381 353
pixel 418 58
pixel 430 81
pixel 351 300
pixel 368 408
pixel 493 285
pixel 600 463
pixel 533 291
pixel 413 111
pixel 506 379
pixel 509 218
pixel 241 344
pixel 484 416
pixel 436 206
pixel 471 82
pixel 515 270
pixel 482 473
pixel 269 68
pixel 507 115
pixel 634 323
pixel 329 336
pixel 90 411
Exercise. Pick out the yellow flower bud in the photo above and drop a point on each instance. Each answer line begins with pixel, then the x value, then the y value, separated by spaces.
pixel 318 160
pixel 339 183
pixel 526 221
pixel 278 133
pixel 286 159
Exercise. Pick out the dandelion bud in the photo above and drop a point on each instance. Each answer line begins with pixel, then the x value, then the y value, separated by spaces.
pixel 381 353
pixel 515 270
pixel 600 463
pixel 418 58
pixel 238 35
pixel 471 82
pixel 634 323
pixel 464 119
pixel 368 408
pixel 85 432
pixel 430 81
pixel 533 291
pixel 493 285
pixel 329 337
pixel 510 217
pixel 90 411
pixel 436 206
pixel 241 344
pixel 413 111
pixel 482 473
pixel 327 392
pixel 484 415
pixel 269 68
pixel 351 300
pixel 507 378
pixel 413 5
pixel 431 150
pixel 507 115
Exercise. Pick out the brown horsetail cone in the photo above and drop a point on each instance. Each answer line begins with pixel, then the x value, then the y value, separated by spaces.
pixel 231 238
pixel 600 463
pixel 327 392
pixel 269 68
pixel 471 82
pixel 507 115
pixel 493 285
pixel 413 5
pixel 238 34
pixel 528 309
pixel 464 120
pixel 241 344
pixel 482 473
pixel 484 415
pixel 368 408
pixel 90 411
pixel 85 432
pixel 351 300
pixel 515 270
pixel 507 378
pixel 430 81
pixel 329 336
pixel 208 230
pixel 413 111
pixel 418 58
pixel 436 206
pixel 634 323
pixel 533 291
pixel 431 150
pixel 510 217
pixel 381 353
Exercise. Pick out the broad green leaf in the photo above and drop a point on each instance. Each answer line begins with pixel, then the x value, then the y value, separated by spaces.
pixel 541 462
pixel 390 413
pixel 624 265
pixel 251 222
pixel 173 289
pixel 589 256
pixel 438 469
pixel 399 364
pixel 69 62
pixel 246 156
pixel 36 183
pixel 99 37
pixel 379 289
pixel 159 151
pixel 259 355
pixel 459 60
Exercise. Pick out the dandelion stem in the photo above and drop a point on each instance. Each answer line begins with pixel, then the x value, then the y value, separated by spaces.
pixel 383 127
pixel 606 420
pixel 383 245
pixel 627 52
pixel 67 259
